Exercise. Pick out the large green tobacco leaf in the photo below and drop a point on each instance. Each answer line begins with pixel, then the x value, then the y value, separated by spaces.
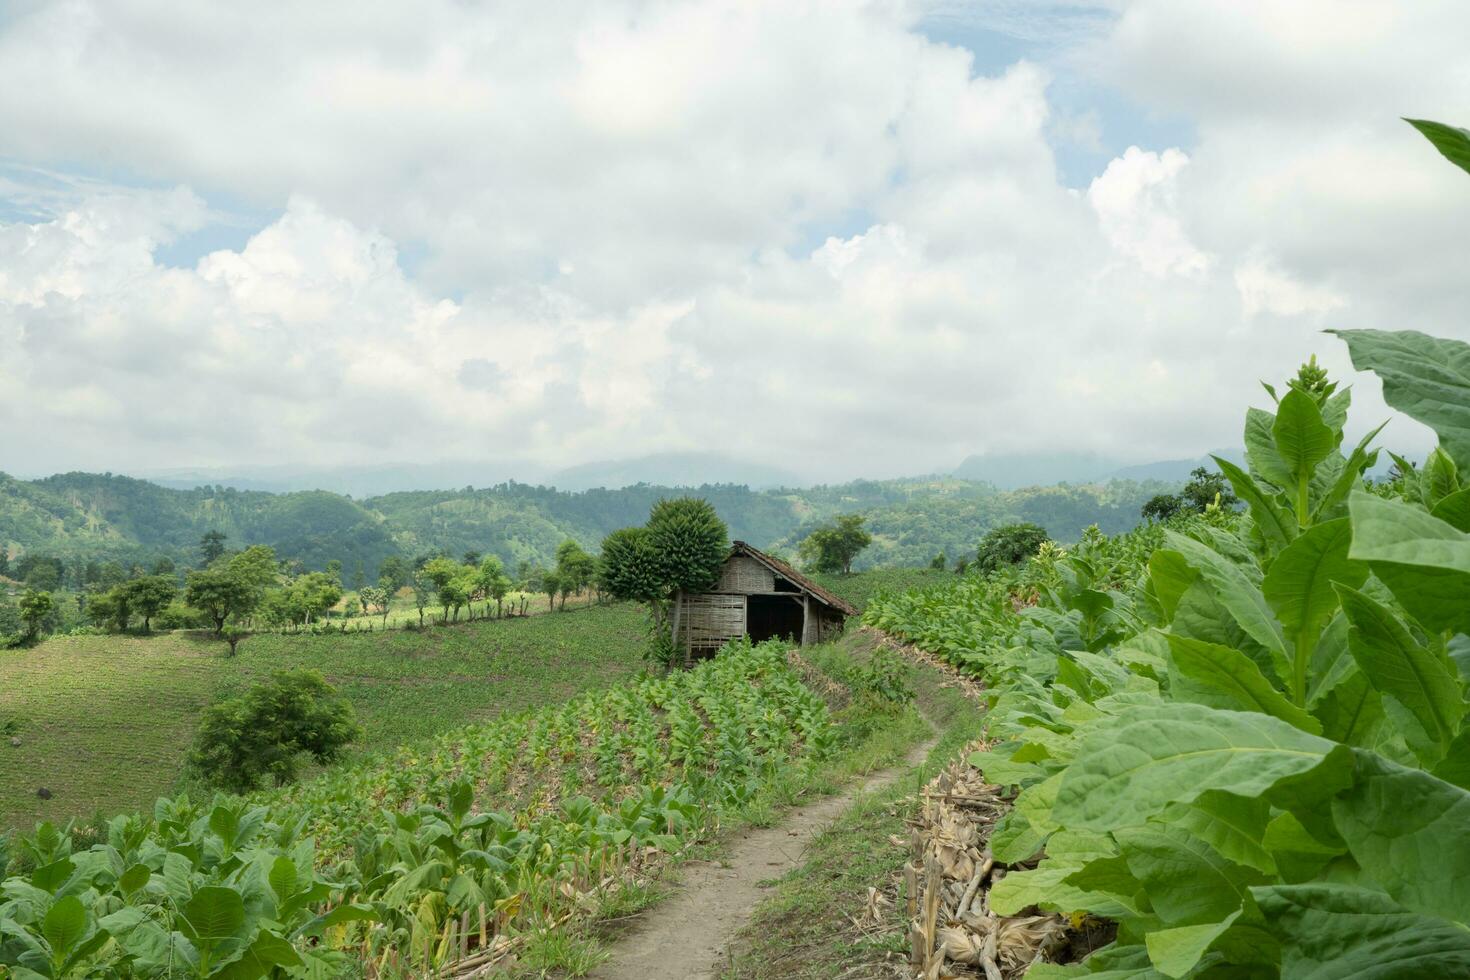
pixel 1455 766
pixel 1424 377
pixel 1176 951
pixel 65 926
pixel 1260 449
pixel 1411 833
pixel 1225 678
pixel 1276 525
pixel 1171 577
pixel 1454 510
pixel 1047 887
pixel 1451 141
pixel 1438 479
pixel 1187 882
pixel 1352 712
pixel 1342 932
pixel 1131 766
pixel 1348 478
pixel 214 913
pixel 1238 594
pixel 1233 825
pixel 1299 588
pixel 1423 560
pixel 1397 664
pixel 1302 438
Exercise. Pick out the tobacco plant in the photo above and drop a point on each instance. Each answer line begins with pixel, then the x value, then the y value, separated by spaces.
pixel 1243 738
pixel 419 860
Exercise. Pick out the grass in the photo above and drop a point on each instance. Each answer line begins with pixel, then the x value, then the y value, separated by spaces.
pixel 105 722
pixel 806 930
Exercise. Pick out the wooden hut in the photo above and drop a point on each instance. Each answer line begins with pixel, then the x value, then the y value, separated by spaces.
pixel 757 596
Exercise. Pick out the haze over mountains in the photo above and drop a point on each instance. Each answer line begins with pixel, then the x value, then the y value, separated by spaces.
pixel 83 517
pixel 1006 471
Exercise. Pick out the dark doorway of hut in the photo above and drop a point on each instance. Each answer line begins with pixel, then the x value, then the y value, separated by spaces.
pixel 774 616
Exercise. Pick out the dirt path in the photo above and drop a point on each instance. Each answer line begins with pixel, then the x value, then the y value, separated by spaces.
pixel 685 936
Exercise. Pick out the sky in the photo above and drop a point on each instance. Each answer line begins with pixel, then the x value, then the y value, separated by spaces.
pixel 840 238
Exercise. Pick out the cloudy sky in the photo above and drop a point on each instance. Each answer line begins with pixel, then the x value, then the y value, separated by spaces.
pixel 837 237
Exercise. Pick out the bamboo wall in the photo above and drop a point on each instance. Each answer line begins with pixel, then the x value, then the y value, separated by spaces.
pixel 707 622
pixel 743 574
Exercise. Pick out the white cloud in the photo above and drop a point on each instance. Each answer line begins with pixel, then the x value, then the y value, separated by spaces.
pixel 1265 288
pixel 795 231
pixel 1136 200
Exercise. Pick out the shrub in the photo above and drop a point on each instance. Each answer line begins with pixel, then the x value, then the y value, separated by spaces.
pixel 258 738
pixel 1009 544
pixel 177 616
pixel 883 680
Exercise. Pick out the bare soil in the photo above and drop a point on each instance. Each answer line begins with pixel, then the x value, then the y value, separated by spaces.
pixel 687 936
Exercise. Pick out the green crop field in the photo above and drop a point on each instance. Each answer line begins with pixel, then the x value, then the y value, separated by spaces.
pixel 859 588
pixel 104 722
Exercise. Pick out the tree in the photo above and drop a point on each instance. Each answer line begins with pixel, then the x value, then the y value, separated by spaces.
pixel 423 591
pixel 34 608
pixel 940 562
pixel 163 566
pixel 471 557
pixel 1204 489
pixel 1008 545
pixel 375 596
pixel 247 742
pixel 359 577
pixel 233 635
pixel 444 574
pixel 256 566
pixel 4 562
pixel 493 581
pixel 220 593
pixel 1161 507
pixel 551 585
pixel 41 573
pixel 682 547
pixel 110 609
pixel 111 575
pixel 211 548
pixel 832 548
pixel 148 596
pixel 574 567
pixel 394 573
pixel 690 543
pixel 628 569
pixel 311 595
pixel 334 569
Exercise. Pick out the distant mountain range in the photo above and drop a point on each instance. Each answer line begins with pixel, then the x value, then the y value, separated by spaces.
pixel 1011 471
pixel 689 469
pixel 83 517
pixel 664 469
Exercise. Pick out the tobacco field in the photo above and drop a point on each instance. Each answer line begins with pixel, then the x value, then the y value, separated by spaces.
pixel 1242 737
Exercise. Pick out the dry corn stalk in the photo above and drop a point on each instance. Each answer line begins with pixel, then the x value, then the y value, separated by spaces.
pixel 954 932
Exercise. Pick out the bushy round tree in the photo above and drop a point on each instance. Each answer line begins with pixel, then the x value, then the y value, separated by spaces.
pixel 683 546
pixel 689 542
pixel 1009 544
pixel 258 739
pixel 628 569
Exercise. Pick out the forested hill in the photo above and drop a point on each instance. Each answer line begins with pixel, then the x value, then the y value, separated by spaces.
pixel 106 517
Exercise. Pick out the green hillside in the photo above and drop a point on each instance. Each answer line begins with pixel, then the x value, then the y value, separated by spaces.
pixel 90 516
pixel 104 722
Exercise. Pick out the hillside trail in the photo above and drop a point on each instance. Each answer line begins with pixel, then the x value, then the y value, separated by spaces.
pixel 686 936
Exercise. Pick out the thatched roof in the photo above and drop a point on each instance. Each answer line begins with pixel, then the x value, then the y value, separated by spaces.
pixel 792 575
